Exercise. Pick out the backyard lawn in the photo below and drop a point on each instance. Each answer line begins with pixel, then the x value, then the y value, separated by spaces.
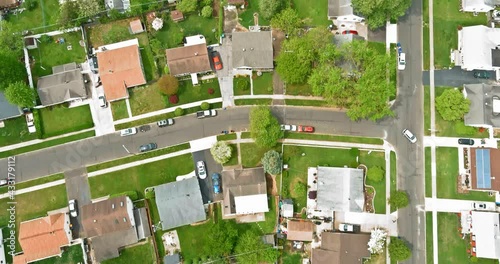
pixel 119 109
pixel 42 18
pixel 140 177
pixel 314 13
pixel 246 17
pixel 263 84
pixel 143 253
pixel 298 89
pixel 428 238
pixel 234 156
pixel 15 131
pixel 172 33
pixel 48 55
pixel 447 18
pixel 71 255
pixel 447 172
pixel 58 120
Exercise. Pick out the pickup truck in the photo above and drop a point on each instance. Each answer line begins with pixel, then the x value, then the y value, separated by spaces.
pixel 206 113
pixel 30 122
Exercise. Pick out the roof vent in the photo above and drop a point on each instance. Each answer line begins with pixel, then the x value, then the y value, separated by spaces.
pixel 196 54
pixel 113 206
pixel 251 48
pixel 95 220
pixel 121 204
pixel 124 219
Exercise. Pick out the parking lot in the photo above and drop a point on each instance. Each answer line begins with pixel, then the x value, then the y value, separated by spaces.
pixel 206 187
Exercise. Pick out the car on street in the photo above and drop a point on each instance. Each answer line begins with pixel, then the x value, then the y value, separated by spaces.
pixel 217 61
pixel 466 141
pixel 206 113
pixel 409 135
pixel 148 147
pixel 481 74
pixel 479 206
pixel 3 182
pixel 289 127
pixel 144 128
pixel 216 182
pixel 165 122
pixel 402 61
pixel 128 131
pixel 200 166
pixel 72 208
pixel 307 129
pixel 102 101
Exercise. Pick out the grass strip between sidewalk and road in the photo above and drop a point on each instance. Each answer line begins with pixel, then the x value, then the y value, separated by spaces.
pixel 299 102
pixel 143 156
pixel 253 101
pixel 428 238
pixel 394 175
pixel 47 144
pixel 35 182
pixel 324 137
pixel 231 136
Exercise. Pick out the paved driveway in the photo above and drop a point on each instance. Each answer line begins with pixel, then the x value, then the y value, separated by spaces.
pixel 77 188
pixel 102 117
pixel 211 166
pixel 225 75
pixel 455 77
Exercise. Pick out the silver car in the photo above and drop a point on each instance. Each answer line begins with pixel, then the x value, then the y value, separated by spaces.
pixel 202 173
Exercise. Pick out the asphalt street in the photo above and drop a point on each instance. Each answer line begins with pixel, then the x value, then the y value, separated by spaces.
pixel 455 77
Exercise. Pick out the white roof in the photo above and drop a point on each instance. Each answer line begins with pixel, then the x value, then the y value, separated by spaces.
pixel 485 226
pixel 476 43
pixel 195 40
pixel 340 189
pixel 496 105
pixel 287 210
pixel 478 5
pixel 251 204
pixel 118 45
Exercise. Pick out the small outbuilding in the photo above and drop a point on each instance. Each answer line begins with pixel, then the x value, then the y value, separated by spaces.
pixel 136 26
pixel 176 16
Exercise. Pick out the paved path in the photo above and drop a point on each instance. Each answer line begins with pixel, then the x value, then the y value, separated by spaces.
pixel 453 206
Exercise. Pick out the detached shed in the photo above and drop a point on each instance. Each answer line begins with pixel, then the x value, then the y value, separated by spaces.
pixel 176 16
pixel 136 26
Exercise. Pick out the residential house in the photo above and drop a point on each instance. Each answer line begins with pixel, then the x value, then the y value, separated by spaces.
pixel 479 6
pixel 252 50
pixel 478 48
pixel 287 208
pixel 335 190
pixel 176 16
pixel 121 5
pixel 299 230
pixel 244 192
pixel 484 230
pixel 43 238
pixel 8 110
pixel 65 84
pixel 341 248
pixel 136 26
pixel 111 225
pixel 484 169
pixel 179 203
pixel 7 4
pixel 120 68
pixel 343 15
pixel 484 109
pixel 172 259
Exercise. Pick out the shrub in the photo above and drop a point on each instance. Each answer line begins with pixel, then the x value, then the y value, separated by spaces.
pixel 398 250
pixel 168 85
pixel 149 195
pixel 271 162
pixel 375 174
pixel 243 84
pixel 205 106
pixel 166 70
pixel 46 39
pixel 206 2
pixel 206 11
pixel 179 111
pixel 221 152
pixel 211 91
pixel 173 99
pixel 398 199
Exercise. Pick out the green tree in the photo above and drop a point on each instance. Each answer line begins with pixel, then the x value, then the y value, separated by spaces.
pixel 243 83
pixel 11 69
pixel 205 106
pixel 398 250
pixel 88 8
pixel 68 14
pixel 375 174
pixel 20 94
pixel 222 238
pixel 30 4
pixel 10 41
pixel 187 6
pixel 268 8
pixel 377 13
pixel 398 199
pixel 178 111
pixel 250 249
pixel 264 127
pixel 221 152
pixel 206 2
pixel 300 189
pixel 206 11
pixel 271 162
pixel 452 105
pixel 168 84
pixel 287 20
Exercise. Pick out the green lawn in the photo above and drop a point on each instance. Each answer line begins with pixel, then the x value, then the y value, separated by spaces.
pixel 143 253
pixel 298 89
pixel 300 102
pixel 455 128
pixel 251 154
pixel 246 17
pixel 238 91
pixel 230 136
pixel 447 18
pixel 425 32
pixel 253 101
pixel 189 93
pixel 314 13
pixel 71 255
pixel 428 173
pixel 376 159
pixel 48 55
pixel 363 140
pixel 427 110
pixel 234 156
pixel 41 19
pixel 291 258
pixel 428 238
pixel 140 177
pixel 394 174
pixel 172 33
pixel 119 109
pixel 263 84
pixel 246 135
pixel 137 157
pixel 446 174
pixel 59 119
pixel 15 131
pixel 35 182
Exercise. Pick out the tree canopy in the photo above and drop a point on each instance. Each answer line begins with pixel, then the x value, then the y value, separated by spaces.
pixel 398 250
pixel 88 8
pixel 168 84
pixel 11 70
pixel 221 152
pixel 267 8
pixel 452 105
pixel 398 199
pixel 222 238
pixel 271 162
pixel 264 127
pixel 20 94
pixel 378 12
pixel 206 11
pixel 375 174
pixel 287 20
pixel 187 6
pixel 250 249
pixel 10 41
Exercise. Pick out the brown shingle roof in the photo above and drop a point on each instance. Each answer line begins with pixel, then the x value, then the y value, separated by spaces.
pixel 136 26
pixel 176 15
pixel 494 167
pixel 241 182
pixel 341 248
pixel 7 3
pixel 188 59
pixel 300 230
pixel 120 69
pixel 106 216
pixel 43 237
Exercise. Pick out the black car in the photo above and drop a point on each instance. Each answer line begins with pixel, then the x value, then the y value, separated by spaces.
pixel 144 128
pixel 481 74
pixel 466 141
pixel 148 147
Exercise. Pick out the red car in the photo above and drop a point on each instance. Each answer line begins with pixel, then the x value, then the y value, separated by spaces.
pixel 354 32
pixel 308 129
pixel 217 62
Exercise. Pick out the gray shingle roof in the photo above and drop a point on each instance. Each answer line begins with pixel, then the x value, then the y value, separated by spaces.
pixel 179 203
pixel 7 110
pixel 481 110
pixel 64 85
pixel 172 259
pixel 340 189
pixel 252 49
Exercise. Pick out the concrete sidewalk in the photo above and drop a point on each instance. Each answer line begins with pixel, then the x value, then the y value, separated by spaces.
pixel 453 142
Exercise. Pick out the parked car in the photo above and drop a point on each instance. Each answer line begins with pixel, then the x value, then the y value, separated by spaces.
pixel 206 113
pixel 217 61
pixel 402 61
pixel 215 182
pixel 148 147
pixel 289 127
pixel 3 182
pixel 308 129
pixel 144 128
pixel 349 228
pixel 466 141
pixel 30 122
pixel 345 32
pixel 479 206
pixel 128 131
pixel 202 173
pixel 481 74
pixel 409 135
pixel 102 101
pixel 72 208
pixel 165 122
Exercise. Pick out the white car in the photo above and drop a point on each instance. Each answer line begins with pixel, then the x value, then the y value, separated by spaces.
pixel 128 132
pixel 72 208
pixel 30 122
pixel 165 122
pixel 200 165
pixel 409 135
pixel 348 228
pixel 402 62
pixel 479 206
pixel 289 127
pixel 102 101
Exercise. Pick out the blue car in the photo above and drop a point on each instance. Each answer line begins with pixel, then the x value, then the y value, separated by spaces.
pixel 216 182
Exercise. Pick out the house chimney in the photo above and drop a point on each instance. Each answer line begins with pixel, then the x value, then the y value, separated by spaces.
pixel 196 54
pixel 244 49
pixel 113 206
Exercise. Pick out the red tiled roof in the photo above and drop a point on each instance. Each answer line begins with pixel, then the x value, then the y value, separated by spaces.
pixel 176 15
pixel 120 69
